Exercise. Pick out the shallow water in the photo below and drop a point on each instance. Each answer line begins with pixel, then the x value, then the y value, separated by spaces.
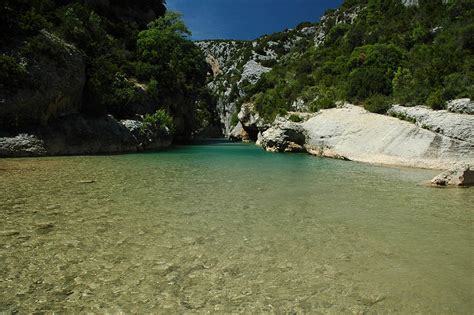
pixel 230 228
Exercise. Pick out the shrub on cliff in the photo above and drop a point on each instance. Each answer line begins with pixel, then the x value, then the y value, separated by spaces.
pixel 436 100
pixel 378 104
pixel 159 122
pixel 12 73
pixel 417 55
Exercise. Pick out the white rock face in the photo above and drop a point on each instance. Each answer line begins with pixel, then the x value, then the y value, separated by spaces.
pixel 355 134
pixel 299 105
pixel 456 126
pixel 462 106
pixel 238 133
pixel 132 125
pixel 284 136
pixel 410 3
pixel 253 71
pixel 22 145
pixel 251 119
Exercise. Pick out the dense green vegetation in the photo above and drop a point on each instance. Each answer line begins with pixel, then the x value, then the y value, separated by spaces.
pixel 160 121
pixel 389 54
pixel 136 63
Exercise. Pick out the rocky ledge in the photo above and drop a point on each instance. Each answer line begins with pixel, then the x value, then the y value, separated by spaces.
pixel 453 125
pixel 79 135
pixel 460 175
pixel 352 133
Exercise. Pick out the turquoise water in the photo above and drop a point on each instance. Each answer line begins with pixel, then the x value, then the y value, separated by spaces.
pixel 230 228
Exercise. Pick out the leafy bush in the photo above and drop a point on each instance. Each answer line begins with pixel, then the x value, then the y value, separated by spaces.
pixel 378 104
pixel 407 53
pixel 322 103
pixel 167 56
pixel 303 25
pixel 295 118
pixel 159 122
pixel 234 120
pixel 436 100
pixel 365 82
pixel 12 73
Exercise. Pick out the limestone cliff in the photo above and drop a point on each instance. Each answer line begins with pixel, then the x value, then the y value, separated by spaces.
pixel 236 65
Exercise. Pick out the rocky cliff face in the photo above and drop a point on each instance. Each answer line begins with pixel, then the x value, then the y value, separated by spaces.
pixel 53 87
pixel 237 65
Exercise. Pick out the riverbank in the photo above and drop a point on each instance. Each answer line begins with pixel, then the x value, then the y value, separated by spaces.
pixel 352 133
pixel 81 135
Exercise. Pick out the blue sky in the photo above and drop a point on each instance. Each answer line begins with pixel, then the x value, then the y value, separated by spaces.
pixel 247 19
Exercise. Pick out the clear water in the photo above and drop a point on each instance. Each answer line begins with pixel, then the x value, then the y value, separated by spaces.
pixel 230 228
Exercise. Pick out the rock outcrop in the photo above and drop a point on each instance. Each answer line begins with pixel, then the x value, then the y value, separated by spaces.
pixel 238 133
pixel 237 64
pixel 460 175
pixel 79 135
pixel 284 136
pixel 253 71
pixel 415 3
pixel 453 125
pixel 251 121
pixel 22 145
pixel 56 89
pixel 353 133
pixel 461 106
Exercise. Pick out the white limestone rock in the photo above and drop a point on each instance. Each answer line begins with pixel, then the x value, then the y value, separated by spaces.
pixel 353 133
pixel 253 71
pixel 22 145
pixel 456 126
pixel 461 106
pixel 284 136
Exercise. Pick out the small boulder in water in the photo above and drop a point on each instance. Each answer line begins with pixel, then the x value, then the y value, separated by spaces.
pixel 86 181
pixel 460 175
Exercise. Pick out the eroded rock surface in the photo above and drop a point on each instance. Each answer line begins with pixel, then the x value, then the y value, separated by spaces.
pixel 453 125
pixel 22 145
pixel 356 134
pixel 238 133
pixel 251 121
pixel 460 175
pixel 352 133
pixel 461 106
pixel 284 136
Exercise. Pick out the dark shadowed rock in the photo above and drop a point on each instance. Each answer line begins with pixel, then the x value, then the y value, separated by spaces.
pixel 77 134
pixel 55 89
